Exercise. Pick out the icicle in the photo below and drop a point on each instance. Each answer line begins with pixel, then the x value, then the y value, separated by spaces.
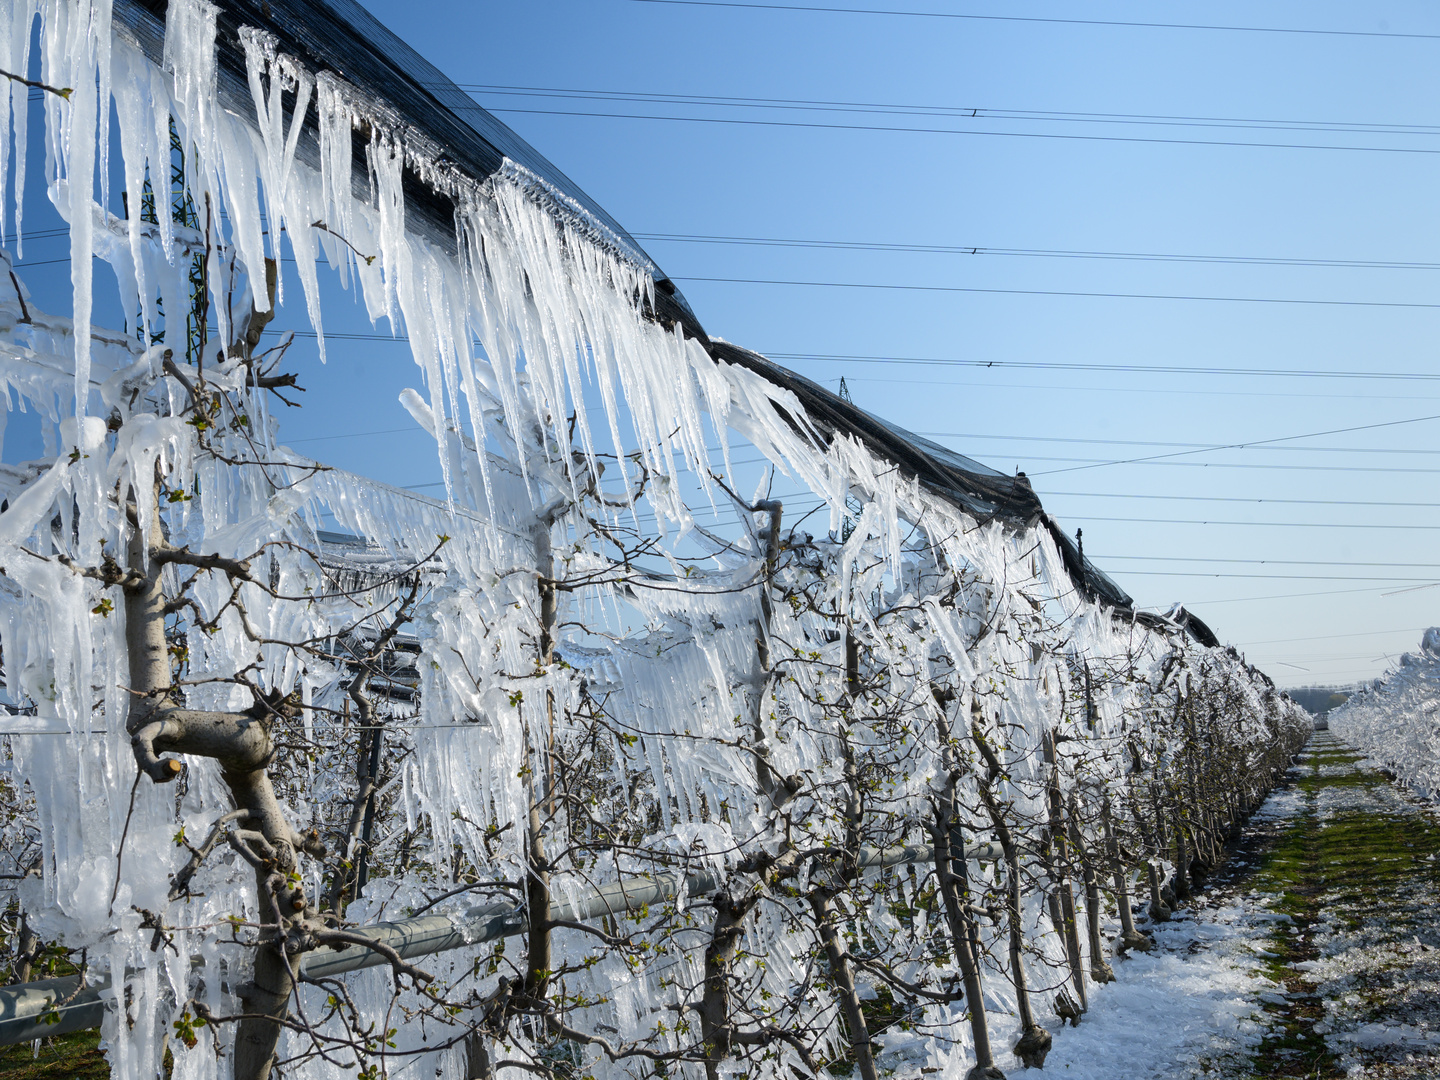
pixel 919 617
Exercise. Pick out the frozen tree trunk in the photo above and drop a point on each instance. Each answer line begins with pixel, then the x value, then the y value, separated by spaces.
pixel 538 963
pixel 1198 820
pixel 538 946
pixel 1130 938
pixel 1100 969
pixel 266 999
pixel 241 744
pixel 478 1065
pixel 778 789
pixel 1182 855
pixel 1067 923
pixel 715 1027
pixel 844 979
pixel 953 878
pixel 1159 910
pixel 775 509
pixel 954 890
pixel 351 876
pixel 28 949
pixel 1140 792
pixel 1034 1042
pixel 717 1030
pixel 822 905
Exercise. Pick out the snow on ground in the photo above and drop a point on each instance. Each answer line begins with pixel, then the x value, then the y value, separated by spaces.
pixel 1190 1008
pixel 1186 1006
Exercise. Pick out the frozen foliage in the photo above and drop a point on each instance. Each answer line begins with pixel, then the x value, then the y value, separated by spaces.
pixel 575 682
pixel 1396 720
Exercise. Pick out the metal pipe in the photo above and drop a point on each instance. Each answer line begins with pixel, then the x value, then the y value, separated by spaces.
pixel 51 1007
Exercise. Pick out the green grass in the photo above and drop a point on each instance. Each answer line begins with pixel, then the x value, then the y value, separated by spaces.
pixel 69 1057
pixel 1342 867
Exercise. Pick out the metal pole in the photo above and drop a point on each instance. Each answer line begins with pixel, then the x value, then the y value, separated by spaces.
pixel 51 1007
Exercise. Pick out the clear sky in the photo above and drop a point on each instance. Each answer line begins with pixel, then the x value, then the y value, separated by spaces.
pixel 1311 554
pixel 1300 585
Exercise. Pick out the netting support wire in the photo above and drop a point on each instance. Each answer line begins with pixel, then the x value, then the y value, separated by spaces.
pixel 50 1007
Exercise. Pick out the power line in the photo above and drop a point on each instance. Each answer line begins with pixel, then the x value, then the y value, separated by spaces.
pixel 1151 442
pixel 1128 369
pixel 950 111
pixel 1331 637
pixel 1124 23
pixel 1099 461
pixel 1032 365
pixel 884 286
pixel 1258 442
pixel 1388 470
pixel 1265 524
pixel 806 500
pixel 1333 672
pixel 1325 659
pixel 1233 498
pixel 912 130
pixel 1043 438
pixel 1281 596
pixel 1271 577
pixel 1267 562
pixel 1045 253
pixel 38 235
pixel 978 250
pixel 1052 387
pixel 1035 365
pixel 1048 495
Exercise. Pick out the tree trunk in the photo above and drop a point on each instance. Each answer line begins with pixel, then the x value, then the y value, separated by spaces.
pixel 1100 969
pixel 844 980
pixel 241 743
pixel 1130 938
pixel 715 1027
pixel 28 950
pixel 1068 924
pixel 1034 1042
pixel 538 947
pixel 953 877
pixel 1182 860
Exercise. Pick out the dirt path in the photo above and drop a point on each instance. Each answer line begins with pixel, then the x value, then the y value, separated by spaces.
pixel 1347 865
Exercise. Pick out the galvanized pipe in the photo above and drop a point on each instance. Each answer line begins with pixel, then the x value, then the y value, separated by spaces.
pixel 51 1007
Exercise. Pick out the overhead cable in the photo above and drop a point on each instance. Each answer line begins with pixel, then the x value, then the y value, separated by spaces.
pixel 1253 443
pixel 949 111
pixel 973 132
pixel 1047 253
pixel 1127 369
pixel 891 287
pixel 1121 23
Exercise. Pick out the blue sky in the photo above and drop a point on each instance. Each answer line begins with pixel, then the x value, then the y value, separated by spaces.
pixel 1065 194
pixel 1296 551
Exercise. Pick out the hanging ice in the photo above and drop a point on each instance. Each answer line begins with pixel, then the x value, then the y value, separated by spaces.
pixel 562 675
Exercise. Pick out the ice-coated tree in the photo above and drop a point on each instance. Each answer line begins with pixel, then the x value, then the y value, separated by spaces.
pixel 609 762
